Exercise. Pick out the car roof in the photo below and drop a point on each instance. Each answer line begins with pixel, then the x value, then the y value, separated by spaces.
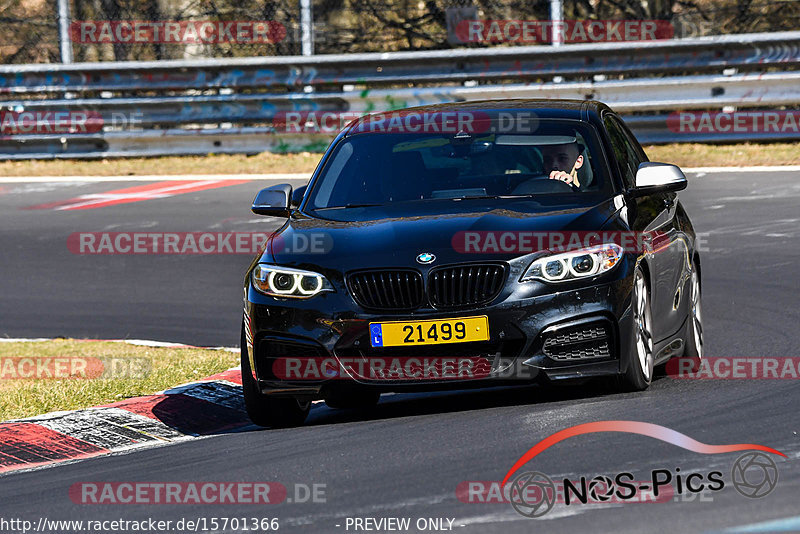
pixel 543 108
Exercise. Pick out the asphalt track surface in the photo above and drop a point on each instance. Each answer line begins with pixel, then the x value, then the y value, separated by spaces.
pixel 406 458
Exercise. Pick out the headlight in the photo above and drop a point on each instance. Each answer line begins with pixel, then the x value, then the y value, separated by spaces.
pixel 571 265
pixel 287 282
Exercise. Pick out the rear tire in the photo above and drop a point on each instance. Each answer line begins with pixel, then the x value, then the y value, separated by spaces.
pixel 640 369
pixel 266 411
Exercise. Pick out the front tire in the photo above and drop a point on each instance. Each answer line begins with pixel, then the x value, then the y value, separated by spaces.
pixel 640 369
pixel 266 411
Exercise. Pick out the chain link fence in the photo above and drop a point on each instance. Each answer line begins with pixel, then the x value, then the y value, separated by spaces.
pixel 137 30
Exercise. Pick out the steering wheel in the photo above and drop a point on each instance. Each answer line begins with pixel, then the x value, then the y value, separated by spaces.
pixel 513 180
pixel 542 185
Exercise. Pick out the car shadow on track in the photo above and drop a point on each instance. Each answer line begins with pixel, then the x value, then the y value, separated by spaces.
pixel 414 404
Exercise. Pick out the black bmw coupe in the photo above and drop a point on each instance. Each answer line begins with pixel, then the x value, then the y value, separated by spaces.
pixel 469 244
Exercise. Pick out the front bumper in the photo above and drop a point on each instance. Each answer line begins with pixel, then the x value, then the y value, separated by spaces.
pixel 523 325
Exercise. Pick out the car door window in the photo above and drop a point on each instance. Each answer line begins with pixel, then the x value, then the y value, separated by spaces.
pixel 626 155
pixel 631 142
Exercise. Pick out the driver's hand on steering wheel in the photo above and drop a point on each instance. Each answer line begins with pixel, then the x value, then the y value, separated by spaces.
pixel 563 176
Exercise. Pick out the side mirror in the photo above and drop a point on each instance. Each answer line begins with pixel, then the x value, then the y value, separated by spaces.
pixel 297 196
pixel 273 201
pixel 654 177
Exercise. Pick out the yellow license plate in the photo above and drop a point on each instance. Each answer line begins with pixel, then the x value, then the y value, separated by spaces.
pixel 434 332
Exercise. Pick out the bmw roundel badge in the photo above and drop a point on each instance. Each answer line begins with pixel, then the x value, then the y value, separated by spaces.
pixel 425 258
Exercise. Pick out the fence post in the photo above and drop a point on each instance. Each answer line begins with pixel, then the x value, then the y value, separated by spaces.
pixel 65 44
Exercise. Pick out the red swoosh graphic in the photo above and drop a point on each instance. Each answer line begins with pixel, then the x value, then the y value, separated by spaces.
pixel 633 427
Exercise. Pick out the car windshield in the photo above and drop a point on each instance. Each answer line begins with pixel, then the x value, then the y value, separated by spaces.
pixel 377 168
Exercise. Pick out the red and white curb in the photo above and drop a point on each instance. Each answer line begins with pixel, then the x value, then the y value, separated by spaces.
pixel 138 193
pixel 153 178
pixel 210 406
pixel 139 342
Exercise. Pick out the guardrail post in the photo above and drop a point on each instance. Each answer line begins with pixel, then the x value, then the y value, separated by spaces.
pixel 556 16
pixel 307 28
pixel 65 44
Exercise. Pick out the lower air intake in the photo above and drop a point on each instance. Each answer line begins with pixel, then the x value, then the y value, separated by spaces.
pixel 583 342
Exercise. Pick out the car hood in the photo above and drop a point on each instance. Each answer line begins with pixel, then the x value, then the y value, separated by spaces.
pixel 380 237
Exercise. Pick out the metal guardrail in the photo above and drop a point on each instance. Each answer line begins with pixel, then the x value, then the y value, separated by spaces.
pixel 702 54
pixel 649 129
pixel 216 105
pixel 676 92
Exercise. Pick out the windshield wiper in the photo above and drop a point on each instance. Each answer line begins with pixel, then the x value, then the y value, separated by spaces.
pixel 354 205
pixel 489 197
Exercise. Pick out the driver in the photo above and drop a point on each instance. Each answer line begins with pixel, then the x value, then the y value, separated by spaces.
pixel 563 161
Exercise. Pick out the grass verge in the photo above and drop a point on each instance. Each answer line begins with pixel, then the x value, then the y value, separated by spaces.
pixel 684 155
pixel 266 162
pixel 744 154
pixel 100 372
